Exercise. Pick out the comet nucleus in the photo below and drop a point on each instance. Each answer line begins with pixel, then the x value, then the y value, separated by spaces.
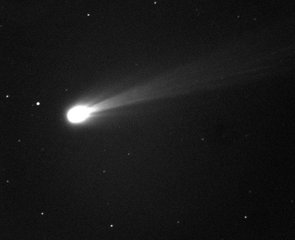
pixel 79 114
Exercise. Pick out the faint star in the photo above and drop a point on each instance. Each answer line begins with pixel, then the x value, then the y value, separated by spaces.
pixel 7 181
pixel 245 217
pixel 238 16
pixel 178 222
pixel 19 140
pixel 104 171
pixel 42 213
pixel 155 2
pixel 38 103
pixel 292 201
pixel 7 96
pixel 254 19
pixel 111 225
pixel 88 14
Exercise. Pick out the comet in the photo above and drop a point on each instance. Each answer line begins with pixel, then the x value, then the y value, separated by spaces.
pixel 79 114
pixel 224 68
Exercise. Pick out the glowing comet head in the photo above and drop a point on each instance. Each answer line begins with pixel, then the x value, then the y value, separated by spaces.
pixel 79 114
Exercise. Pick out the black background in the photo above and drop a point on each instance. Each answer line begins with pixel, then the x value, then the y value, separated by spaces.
pixel 217 164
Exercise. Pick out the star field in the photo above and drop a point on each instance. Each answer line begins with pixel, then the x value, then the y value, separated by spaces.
pixel 217 163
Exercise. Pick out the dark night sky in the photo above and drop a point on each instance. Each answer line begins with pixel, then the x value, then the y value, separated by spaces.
pixel 217 163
